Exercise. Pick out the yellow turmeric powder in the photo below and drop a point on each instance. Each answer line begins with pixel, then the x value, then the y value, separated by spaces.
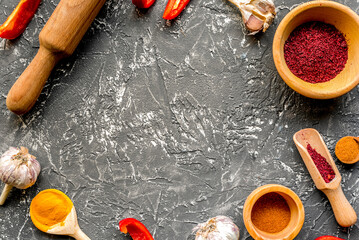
pixel 347 150
pixel 48 208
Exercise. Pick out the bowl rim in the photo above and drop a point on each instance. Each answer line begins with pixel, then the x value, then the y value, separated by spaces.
pixel 276 51
pixel 270 188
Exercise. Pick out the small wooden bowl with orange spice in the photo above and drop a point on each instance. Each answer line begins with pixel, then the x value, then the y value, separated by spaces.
pixel 273 212
pixel 346 21
pixel 347 149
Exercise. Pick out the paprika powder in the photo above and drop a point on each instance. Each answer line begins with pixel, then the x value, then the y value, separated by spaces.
pixel 324 168
pixel 316 52
pixel 271 213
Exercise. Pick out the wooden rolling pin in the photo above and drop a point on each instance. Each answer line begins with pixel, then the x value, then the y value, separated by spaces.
pixel 58 39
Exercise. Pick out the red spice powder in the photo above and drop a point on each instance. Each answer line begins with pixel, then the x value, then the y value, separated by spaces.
pixel 316 52
pixel 325 170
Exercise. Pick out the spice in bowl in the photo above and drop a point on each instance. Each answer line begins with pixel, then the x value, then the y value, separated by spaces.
pixel 316 52
pixel 324 168
pixel 271 213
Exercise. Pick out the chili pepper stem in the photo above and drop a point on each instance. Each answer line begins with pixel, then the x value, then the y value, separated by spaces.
pixel 5 193
pixel 3 44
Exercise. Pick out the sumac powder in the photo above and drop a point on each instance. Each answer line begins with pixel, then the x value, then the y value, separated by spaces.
pixel 324 168
pixel 271 213
pixel 316 52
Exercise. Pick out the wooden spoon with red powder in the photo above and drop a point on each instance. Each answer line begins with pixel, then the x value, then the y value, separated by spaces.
pixel 324 173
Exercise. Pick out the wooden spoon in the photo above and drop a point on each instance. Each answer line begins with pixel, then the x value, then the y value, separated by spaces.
pixel 53 210
pixel 69 227
pixel 58 39
pixel 343 144
pixel 343 211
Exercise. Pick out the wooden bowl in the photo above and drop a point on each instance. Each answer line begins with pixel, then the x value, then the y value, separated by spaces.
pixel 346 21
pixel 296 208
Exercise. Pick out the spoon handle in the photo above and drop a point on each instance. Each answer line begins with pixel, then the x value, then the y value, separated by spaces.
pixel 343 211
pixel 80 235
pixel 5 193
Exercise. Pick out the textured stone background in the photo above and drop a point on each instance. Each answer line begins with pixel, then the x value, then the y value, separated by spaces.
pixel 168 124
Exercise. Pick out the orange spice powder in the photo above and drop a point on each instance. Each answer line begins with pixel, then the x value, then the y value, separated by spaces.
pixel 271 213
pixel 347 149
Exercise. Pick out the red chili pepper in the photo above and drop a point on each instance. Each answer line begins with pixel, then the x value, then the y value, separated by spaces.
pixel 143 3
pixel 328 238
pixel 135 228
pixel 174 8
pixel 16 23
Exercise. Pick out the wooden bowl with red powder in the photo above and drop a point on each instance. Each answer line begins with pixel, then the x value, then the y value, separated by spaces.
pixel 273 212
pixel 329 71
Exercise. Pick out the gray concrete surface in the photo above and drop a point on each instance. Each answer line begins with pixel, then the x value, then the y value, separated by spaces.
pixel 171 125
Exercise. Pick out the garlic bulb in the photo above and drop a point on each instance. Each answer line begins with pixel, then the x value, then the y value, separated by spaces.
pixel 217 228
pixel 257 15
pixel 18 169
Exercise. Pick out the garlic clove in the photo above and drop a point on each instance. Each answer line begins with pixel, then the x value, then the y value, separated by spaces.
pixel 257 15
pixel 254 24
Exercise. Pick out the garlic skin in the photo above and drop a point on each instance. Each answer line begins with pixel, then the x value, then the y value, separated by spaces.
pixel 217 228
pixel 257 15
pixel 18 168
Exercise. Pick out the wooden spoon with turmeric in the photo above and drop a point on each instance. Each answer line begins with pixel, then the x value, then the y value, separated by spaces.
pixel 53 212
pixel 347 149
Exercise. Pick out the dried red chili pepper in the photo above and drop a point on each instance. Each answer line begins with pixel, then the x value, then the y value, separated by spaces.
pixel 174 8
pixel 328 238
pixel 135 228
pixel 143 3
pixel 324 168
pixel 16 23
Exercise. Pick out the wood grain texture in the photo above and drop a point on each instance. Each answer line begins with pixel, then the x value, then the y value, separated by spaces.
pixel 69 227
pixel 58 39
pixel 67 25
pixel 343 211
pixel 296 211
pixel 345 20
pixel 169 125
pixel 24 93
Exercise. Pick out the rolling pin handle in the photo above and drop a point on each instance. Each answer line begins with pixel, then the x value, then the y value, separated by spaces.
pixel 27 88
